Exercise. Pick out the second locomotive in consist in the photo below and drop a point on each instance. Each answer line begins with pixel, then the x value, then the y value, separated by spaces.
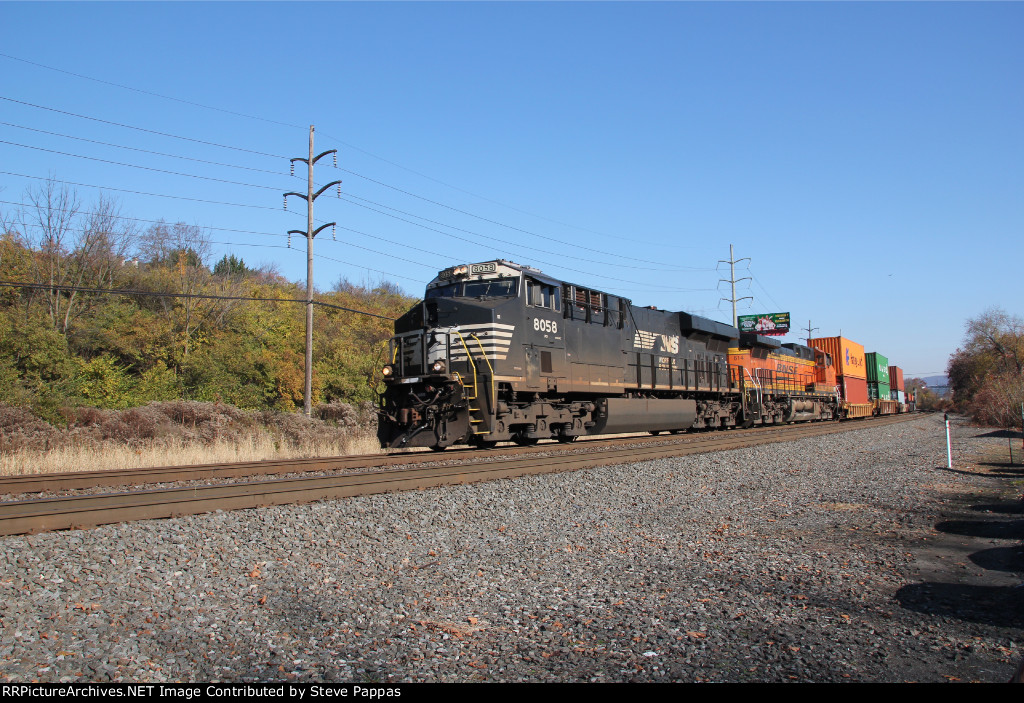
pixel 498 351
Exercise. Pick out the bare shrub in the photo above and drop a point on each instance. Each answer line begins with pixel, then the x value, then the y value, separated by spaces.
pixel 998 402
pixel 20 429
pixel 346 416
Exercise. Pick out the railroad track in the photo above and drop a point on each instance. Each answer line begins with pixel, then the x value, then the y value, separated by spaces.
pixel 450 468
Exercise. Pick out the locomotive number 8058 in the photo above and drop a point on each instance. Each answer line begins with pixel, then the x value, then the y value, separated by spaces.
pixel 497 351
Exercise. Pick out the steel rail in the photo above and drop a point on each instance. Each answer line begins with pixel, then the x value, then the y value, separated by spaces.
pixel 30 516
pixel 111 478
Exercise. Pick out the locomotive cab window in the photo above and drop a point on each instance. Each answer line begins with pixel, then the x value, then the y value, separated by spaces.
pixel 449 291
pixel 502 288
pixel 541 295
pixel 494 288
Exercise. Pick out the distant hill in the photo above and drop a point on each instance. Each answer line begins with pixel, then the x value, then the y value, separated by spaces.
pixel 936 381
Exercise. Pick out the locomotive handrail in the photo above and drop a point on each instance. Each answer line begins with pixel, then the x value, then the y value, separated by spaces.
pixel 757 387
pixel 490 368
pixel 472 364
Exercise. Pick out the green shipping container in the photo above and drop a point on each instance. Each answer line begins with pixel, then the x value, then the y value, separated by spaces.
pixel 878 369
pixel 879 391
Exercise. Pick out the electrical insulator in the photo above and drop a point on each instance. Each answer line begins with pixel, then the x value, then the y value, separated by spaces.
pixel 292 165
pixel 289 240
pixel 339 189
pixel 334 232
pixel 286 202
pixel 335 155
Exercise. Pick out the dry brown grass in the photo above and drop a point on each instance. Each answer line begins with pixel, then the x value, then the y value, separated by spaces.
pixel 178 433
pixel 175 453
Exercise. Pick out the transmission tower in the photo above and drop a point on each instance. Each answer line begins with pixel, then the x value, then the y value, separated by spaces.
pixel 309 234
pixel 732 281
pixel 810 332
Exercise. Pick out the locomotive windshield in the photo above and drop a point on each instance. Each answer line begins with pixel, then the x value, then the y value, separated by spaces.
pixel 497 288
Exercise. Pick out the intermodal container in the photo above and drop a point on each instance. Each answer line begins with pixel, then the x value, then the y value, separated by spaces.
pixel 853 390
pixel 879 391
pixel 877 367
pixel 847 356
pixel 896 378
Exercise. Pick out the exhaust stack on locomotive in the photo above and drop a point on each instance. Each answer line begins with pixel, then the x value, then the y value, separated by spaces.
pixel 497 351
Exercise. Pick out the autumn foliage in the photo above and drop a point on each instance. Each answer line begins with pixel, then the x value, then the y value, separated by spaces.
pixel 986 373
pixel 71 340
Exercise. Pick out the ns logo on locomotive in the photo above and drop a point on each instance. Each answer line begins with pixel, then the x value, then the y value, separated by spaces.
pixel 498 351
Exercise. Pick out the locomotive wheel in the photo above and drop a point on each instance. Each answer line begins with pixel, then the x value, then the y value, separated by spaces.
pixel 525 441
pixel 438 447
pixel 654 433
pixel 486 444
pixel 567 439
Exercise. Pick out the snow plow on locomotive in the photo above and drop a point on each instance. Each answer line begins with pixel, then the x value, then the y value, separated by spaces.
pixel 497 351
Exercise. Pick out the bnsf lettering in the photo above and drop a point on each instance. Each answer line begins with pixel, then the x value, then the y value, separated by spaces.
pixel 545 325
pixel 785 368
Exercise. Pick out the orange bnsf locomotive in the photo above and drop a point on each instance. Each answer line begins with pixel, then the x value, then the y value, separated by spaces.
pixel 497 351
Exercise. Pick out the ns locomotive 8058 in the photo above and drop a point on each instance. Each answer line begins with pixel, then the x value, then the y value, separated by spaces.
pixel 498 351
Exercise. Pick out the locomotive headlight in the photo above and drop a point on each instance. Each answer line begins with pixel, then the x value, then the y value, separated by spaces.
pixel 461 270
pixel 437 366
pixel 387 371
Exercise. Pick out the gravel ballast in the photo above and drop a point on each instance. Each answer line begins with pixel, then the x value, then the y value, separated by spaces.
pixel 849 557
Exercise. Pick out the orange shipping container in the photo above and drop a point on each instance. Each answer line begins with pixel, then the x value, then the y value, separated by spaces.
pixel 847 355
pixel 896 378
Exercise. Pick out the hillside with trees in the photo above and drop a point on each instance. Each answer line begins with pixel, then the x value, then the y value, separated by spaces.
pixel 99 311
pixel 986 374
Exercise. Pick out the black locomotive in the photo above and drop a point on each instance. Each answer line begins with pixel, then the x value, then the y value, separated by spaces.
pixel 498 351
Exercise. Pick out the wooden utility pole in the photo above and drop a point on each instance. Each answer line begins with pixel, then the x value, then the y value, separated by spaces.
pixel 310 233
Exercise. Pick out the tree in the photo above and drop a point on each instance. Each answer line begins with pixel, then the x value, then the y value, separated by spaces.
pixel 76 249
pixel 230 267
pixel 176 255
pixel 987 373
pixel 52 212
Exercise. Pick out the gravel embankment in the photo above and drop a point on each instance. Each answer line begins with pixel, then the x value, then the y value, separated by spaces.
pixel 816 560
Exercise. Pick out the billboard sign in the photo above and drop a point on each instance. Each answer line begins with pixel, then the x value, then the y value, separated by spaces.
pixel 770 323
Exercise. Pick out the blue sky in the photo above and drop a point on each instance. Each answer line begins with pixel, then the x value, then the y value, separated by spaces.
pixel 868 158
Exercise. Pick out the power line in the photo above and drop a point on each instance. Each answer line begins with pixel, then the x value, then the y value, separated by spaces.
pixel 463 190
pixel 122 291
pixel 270 121
pixel 140 219
pixel 139 192
pixel 400 190
pixel 144 168
pixel 278 234
pixel 142 129
pixel 254 185
pixel 575 245
pixel 277 246
pixel 350 195
pixel 144 151
pixel 147 92
pixel 506 251
pixel 342 142
pixel 763 290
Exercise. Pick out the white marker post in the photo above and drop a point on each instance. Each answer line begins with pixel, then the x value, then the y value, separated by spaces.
pixel 949 450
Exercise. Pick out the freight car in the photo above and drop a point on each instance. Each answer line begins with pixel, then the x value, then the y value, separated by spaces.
pixel 497 351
